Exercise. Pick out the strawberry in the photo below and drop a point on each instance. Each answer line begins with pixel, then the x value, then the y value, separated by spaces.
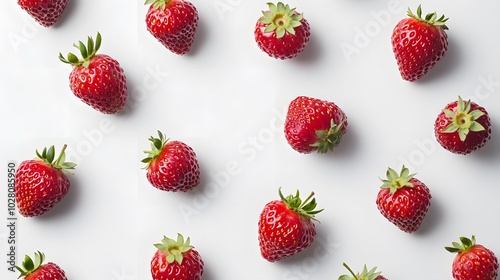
pixel 45 12
pixel 281 32
pixel 419 43
pixel 286 227
pixel 171 165
pixel 314 125
pixel 462 127
pixel 173 23
pixel 37 270
pixel 176 260
pixel 473 261
pixel 372 274
pixel 98 79
pixel 42 183
pixel 403 200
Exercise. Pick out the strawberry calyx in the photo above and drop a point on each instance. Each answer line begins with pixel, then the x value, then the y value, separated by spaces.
pixel 157 145
pixel 305 207
pixel 29 266
pixel 330 139
pixel 48 155
pixel 366 274
pixel 463 121
pixel 87 51
pixel 430 18
pixel 465 245
pixel 281 19
pixel 174 249
pixel 395 182
pixel 158 4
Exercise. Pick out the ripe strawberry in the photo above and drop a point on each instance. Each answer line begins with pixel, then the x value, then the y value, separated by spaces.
pixel 173 23
pixel 45 12
pixel 473 261
pixel 282 32
pixel 403 200
pixel 286 227
pixel 97 79
pixel 171 165
pixel 365 274
pixel 176 260
pixel 37 270
pixel 41 183
pixel 419 43
pixel 314 125
pixel 462 127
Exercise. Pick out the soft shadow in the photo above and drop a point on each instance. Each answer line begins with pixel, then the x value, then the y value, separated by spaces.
pixel 432 219
pixel 349 143
pixel 67 204
pixel 200 38
pixel 132 101
pixel 321 243
pixel 489 151
pixel 451 61
pixel 312 53
pixel 68 13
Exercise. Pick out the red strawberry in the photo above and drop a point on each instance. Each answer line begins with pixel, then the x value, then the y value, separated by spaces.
pixel 173 23
pixel 176 260
pixel 97 79
pixel 45 12
pixel 286 227
pixel 37 270
pixel 282 32
pixel 42 183
pixel 171 165
pixel 403 200
pixel 462 127
pixel 419 43
pixel 365 274
pixel 473 261
pixel 314 125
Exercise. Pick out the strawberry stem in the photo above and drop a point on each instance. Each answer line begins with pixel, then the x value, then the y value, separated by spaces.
pixel 305 208
pixel 87 51
pixel 29 266
pixel 430 18
pixel 174 248
pixel 350 270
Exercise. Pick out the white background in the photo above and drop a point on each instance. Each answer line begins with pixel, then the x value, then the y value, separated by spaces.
pixel 227 100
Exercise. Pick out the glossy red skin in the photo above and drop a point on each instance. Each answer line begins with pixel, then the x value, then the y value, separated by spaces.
pixel 48 271
pixel 407 207
pixel 45 12
pixel 380 277
pixel 288 46
pixel 305 116
pixel 451 141
pixel 175 27
pixel 175 169
pixel 39 187
pixel 283 232
pixel 476 263
pixel 417 47
pixel 102 85
pixel 190 269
